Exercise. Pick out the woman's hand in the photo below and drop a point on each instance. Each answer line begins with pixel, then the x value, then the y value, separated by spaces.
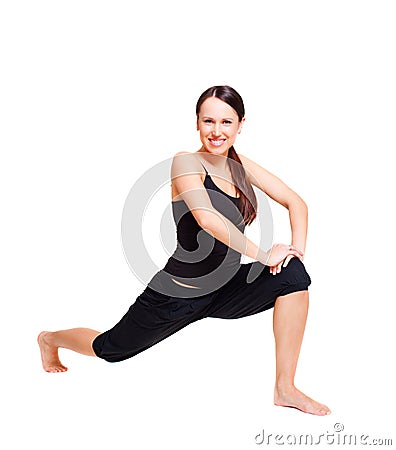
pixel 280 255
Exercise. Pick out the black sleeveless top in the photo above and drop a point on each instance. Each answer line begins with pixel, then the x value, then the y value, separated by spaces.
pixel 200 260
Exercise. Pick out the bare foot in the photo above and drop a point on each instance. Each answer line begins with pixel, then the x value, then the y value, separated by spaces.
pixel 49 355
pixel 294 398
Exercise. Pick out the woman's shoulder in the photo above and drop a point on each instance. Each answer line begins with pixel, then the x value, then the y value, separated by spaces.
pixel 250 165
pixel 187 162
pixel 185 155
pixel 189 159
pixel 245 160
pixel 183 152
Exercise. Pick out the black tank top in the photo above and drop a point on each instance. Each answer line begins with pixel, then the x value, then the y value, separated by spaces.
pixel 199 259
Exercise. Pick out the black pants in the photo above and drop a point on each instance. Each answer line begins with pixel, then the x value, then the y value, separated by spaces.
pixel 155 316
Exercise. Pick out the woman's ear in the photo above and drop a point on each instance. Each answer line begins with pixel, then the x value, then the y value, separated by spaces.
pixel 240 125
pixel 197 124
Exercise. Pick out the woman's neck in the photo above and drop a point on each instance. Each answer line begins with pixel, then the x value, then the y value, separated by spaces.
pixel 218 162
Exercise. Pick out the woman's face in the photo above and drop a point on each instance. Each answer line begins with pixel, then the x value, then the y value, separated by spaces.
pixel 218 125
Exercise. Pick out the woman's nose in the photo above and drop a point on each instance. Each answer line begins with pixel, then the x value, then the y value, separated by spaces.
pixel 216 130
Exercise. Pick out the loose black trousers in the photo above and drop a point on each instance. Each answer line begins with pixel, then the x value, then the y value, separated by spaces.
pixel 155 316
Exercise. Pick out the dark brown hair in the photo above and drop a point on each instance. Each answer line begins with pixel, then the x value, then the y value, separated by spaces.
pixel 230 96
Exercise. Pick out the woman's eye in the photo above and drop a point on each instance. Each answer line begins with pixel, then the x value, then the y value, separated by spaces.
pixel 225 122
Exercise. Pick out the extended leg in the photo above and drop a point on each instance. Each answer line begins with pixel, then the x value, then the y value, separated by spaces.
pixel 290 315
pixel 76 339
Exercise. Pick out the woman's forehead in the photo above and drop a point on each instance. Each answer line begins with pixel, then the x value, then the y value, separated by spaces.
pixel 213 106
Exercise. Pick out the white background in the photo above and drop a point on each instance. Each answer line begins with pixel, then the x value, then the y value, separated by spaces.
pixel 95 93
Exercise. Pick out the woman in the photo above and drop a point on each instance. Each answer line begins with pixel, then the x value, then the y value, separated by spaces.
pixel 212 201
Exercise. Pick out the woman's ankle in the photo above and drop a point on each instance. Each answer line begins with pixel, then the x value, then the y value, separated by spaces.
pixel 284 384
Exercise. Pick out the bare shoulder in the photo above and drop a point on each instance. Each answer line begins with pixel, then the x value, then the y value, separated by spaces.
pixel 247 162
pixel 188 161
pixel 185 156
pixel 186 172
pixel 257 174
pixel 182 153
pixel 187 176
pixel 193 156
pixel 266 181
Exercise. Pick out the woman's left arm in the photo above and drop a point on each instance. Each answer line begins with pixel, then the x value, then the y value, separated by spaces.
pixel 298 214
pixel 276 189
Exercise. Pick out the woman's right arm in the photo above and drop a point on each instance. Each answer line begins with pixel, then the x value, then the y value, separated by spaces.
pixel 186 173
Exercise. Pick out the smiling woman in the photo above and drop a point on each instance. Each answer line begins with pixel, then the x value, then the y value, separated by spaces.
pixel 213 200
pixel 217 130
pixel 220 117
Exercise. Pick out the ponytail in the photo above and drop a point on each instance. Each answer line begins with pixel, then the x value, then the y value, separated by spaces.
pixel 243 185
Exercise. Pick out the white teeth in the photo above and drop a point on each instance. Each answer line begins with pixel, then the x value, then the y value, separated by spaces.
pixel 216 142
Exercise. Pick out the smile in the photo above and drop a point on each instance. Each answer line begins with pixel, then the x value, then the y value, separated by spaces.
pixel 217 142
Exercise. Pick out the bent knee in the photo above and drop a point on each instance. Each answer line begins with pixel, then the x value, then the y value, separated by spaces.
pixel 297 271
pixel 295 277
